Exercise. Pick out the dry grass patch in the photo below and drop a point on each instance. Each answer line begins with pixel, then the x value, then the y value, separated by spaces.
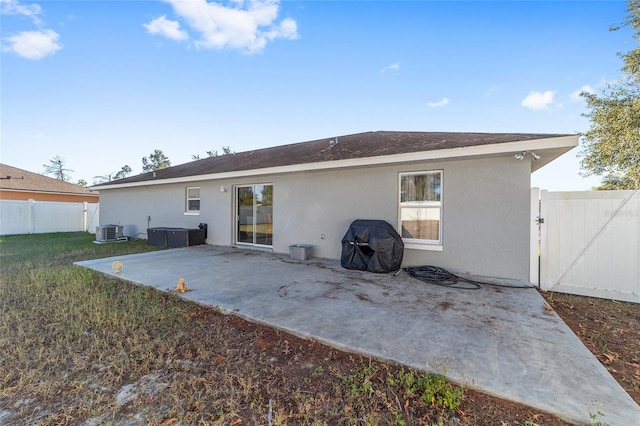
pixel 77 347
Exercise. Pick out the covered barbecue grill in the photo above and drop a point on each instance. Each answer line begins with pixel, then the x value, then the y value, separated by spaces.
pixel 372 245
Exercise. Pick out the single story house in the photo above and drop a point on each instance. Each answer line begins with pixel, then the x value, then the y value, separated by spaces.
pixel 22 185
pixel 460 201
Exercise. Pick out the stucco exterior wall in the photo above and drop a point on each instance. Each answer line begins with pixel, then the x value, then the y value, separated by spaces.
pixel 485 205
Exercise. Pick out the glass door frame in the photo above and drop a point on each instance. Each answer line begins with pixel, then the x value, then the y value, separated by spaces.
pixel 255 214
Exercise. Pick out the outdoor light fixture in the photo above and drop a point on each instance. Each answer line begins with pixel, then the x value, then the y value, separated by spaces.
pixel 521 155
pixel 223 189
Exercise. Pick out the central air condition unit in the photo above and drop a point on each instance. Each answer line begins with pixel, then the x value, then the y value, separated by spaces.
pixel 109 233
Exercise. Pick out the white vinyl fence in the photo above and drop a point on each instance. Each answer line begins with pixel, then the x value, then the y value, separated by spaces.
pixel 589 243
pixel 39 217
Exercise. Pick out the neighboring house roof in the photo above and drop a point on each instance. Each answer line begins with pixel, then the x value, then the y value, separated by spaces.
pixel 15 179
pixel 381 147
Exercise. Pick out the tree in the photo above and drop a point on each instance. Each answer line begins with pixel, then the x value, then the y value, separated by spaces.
pixel 156 161
pixel 614 182
pixel 83 183
pixel 611 147
pixel 214 153
pixel 124 172
pixel 57 169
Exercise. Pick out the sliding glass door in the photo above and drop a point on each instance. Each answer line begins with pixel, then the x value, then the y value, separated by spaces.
pixel 254 215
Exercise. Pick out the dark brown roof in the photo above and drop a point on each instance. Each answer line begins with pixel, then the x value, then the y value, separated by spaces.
pixel 15 179
pixel 360 145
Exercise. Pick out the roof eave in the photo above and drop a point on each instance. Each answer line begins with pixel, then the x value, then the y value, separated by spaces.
pixel 41 191
pixel 552 147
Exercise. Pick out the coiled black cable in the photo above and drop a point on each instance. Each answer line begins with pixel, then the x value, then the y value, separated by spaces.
pixel 440 276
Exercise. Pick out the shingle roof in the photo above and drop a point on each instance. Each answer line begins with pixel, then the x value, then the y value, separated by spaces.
pixel 360 145
pixel 13 178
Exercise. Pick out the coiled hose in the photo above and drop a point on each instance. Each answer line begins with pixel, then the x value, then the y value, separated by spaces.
pixel 440 276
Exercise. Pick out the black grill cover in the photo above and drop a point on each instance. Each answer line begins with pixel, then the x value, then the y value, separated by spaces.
pixel 372 245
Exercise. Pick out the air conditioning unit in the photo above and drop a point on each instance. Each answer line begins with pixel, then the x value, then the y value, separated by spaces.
pixel 106 233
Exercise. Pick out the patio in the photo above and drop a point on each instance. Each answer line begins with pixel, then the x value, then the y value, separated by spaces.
pixel 499 340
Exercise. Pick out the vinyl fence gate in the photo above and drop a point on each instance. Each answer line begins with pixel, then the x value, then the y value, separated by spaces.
pixel 586 243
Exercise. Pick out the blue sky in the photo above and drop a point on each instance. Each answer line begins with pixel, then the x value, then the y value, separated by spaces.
pixel 104 83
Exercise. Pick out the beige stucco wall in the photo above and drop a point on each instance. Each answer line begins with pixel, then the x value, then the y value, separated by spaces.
pixel 485 204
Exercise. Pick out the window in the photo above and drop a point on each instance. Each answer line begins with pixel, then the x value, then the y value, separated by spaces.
pixel 421 209
pixel 193 199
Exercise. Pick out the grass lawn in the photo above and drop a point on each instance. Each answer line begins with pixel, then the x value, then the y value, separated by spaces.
pixel 77 347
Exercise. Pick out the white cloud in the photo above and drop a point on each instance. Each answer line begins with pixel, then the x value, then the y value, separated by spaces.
pixel 392 67
pixel 14 7
pixel 29 44
pixel 442 102
pixel 34 44
pixel 164 27
pixel 575 96
pixel 246 26
pixel 538 100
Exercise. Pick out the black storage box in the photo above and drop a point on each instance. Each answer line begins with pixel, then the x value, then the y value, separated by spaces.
pixel 157 237
pixel 197 236
pixel 180 237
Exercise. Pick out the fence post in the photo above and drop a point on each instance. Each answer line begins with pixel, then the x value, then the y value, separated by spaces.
pixel 84 217
pixel 31 225
pixel 534 238
pixel 544 236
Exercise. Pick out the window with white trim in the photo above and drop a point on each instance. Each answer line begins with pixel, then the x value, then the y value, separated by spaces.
pixel 420 208
pixel 193 199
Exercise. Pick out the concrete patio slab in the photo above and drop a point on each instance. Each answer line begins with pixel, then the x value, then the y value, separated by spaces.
pixel 498 340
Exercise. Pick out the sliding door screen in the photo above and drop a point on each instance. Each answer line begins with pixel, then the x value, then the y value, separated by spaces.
pixel 255 215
